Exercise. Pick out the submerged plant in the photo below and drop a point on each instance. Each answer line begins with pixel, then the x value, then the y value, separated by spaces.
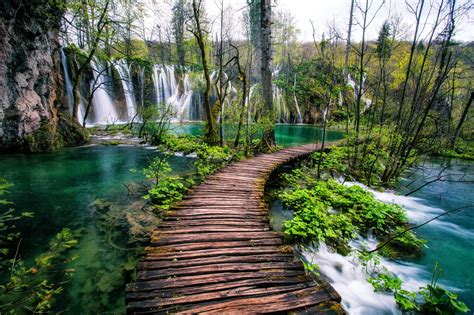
pixel 30 288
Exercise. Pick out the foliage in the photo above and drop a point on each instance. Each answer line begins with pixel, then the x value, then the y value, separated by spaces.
pixel 165 189
pixel 29 288
pixel 155 123
pixel 463 150
pixel 438 300
pixel 209 158
pixel 8 217
pixel 430 299
pixel 331 212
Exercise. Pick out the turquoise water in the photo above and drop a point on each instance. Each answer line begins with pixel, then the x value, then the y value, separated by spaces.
pixel 450 239
pixel 84 189
pixel 286 134
pixel 59 189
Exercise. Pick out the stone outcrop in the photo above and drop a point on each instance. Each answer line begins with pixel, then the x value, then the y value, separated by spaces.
pixel 33 107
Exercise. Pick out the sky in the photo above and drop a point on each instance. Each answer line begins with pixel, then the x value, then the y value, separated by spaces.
pixel 336 12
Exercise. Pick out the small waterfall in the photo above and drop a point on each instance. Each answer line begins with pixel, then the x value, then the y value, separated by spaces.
pixel 67 81
pixel 104 110
pixel 186 98
pixel 125 75
pixel 171 92
pixel 300 118
pixel 280 106
pixel 142 86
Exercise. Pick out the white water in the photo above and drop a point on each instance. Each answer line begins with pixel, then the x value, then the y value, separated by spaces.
pixel 300 118
pixel 125 76
pixel 169 91
pixel 67 81
pixel 182 95
pixel 347 275
pixel 104 110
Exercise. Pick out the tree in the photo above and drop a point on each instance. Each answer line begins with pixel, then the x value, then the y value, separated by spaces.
pixel 199 32
pixel 178 22
pixel 266 68
pixel 94 37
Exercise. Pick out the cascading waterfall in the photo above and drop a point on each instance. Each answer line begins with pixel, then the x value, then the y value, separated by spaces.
pixel 67 81
pixel 280 106
pixel 179 91
pixel 142 86
pixel 167 90
pixel 125 76
pixel 298 111
pixel 103 109
pixel 355 87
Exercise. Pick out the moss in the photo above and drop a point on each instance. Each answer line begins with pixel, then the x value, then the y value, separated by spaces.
pixel 51 137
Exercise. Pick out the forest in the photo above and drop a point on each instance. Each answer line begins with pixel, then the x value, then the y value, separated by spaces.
pixel 167 156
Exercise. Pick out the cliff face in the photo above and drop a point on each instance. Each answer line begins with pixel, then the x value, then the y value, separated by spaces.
pixel 33 115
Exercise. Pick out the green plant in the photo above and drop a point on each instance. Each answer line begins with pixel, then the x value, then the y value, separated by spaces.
pixel 165 189
pixel 33 289
pixel 438 300
pixel 331 212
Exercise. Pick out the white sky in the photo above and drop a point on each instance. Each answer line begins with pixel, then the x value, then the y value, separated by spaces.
pixel 328 12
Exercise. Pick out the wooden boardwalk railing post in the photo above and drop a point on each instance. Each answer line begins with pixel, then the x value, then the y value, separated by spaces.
pixel 216 252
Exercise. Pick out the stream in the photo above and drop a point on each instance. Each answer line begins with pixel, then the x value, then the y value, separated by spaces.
pixel 450 241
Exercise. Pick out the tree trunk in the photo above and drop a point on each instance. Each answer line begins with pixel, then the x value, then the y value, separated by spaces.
pixel 211 135
pixel 457 132
pixel 266 69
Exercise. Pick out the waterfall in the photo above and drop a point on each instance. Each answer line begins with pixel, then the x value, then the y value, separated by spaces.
pixel 186 98
pixel 168 91
pixel 104 110
pixel 67 81
pixel 280 106
pixel 300 118
pixel 125 76
pixel 142 86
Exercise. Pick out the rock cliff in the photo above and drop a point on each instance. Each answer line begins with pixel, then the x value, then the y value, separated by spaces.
pixel 33 107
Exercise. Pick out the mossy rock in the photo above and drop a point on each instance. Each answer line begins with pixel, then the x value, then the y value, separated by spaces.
pixel 51 137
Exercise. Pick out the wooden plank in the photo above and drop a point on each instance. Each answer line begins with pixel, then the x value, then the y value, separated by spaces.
pixel 283 302
pixel 216 245
pixel 234 251
pixel 162 239
pixel 215 252
pixel 151 265
pixel 260 282
pixel 210 279
pixel 216 268
pixel 213 296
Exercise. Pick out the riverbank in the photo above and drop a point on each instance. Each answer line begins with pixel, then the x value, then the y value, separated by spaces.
pixel 449 241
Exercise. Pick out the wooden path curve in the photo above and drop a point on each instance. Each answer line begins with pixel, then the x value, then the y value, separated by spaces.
pixel 216 252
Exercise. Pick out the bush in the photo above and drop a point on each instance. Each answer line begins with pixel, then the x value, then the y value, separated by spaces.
pixel 353 210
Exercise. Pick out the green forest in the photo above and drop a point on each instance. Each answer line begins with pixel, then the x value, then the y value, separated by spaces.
pixel 256 156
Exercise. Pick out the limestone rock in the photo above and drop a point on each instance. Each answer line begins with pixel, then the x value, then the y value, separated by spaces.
pixel 33 115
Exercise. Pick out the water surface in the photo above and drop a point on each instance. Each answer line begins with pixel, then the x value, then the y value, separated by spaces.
pixel 60 187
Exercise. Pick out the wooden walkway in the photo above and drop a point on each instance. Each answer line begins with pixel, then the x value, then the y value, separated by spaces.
pixel 216 252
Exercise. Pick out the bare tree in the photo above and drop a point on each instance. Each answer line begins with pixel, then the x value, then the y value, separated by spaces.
pixel 266 68
pixel 199 32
